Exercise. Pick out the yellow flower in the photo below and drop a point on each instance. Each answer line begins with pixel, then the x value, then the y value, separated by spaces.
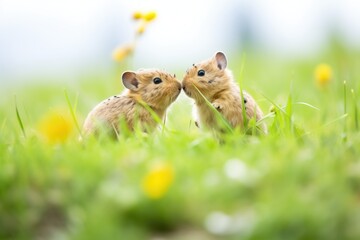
pixel 141 29
pixel 323 74
pixel 149 16
pixel 56 127
pixel 120 53
pixel 137 15
pixel 156 183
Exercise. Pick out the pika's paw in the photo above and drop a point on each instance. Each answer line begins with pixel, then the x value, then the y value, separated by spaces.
pixel 217 105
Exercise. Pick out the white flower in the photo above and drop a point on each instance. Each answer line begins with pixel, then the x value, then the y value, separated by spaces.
pixel 222 224
pixel 218 223
pixel 236 169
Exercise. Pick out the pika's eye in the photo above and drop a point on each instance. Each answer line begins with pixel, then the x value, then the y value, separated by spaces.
pixel 201 73
pixel 157 80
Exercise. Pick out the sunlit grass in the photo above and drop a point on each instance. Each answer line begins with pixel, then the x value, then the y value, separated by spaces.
pixel 300 181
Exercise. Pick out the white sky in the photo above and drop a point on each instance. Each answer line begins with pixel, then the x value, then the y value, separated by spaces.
pixel 57 36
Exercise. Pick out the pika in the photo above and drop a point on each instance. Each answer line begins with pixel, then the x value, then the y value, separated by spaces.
pixel 154 88
pixel 217 85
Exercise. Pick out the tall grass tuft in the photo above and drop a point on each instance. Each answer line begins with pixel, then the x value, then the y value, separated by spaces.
pixel 283 122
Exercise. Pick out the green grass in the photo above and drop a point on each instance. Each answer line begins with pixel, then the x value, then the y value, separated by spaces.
pixel 301 181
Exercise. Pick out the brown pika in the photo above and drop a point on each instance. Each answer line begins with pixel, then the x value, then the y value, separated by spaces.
pixel 154 88
pixel 217 85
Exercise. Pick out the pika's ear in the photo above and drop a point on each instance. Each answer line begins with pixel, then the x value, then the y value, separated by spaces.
pixel 221 61
pixel 129 80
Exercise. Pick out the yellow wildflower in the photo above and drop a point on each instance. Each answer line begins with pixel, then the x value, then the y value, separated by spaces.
pixel 149 16
pixel 156 183
pixel 56 127
pixel 137 15
pixel 141 29
pixel 120 53
pixel 323 74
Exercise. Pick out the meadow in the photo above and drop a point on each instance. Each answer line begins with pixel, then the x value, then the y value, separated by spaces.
pixel 300 181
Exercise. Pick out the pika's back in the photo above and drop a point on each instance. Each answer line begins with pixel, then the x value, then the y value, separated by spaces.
pixel 107 114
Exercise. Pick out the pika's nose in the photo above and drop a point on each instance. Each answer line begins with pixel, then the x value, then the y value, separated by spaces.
pixel 183 88
pixel 179 86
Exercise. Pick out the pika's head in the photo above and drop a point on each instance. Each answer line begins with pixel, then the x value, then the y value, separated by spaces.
pixel 209 77
pixel 156 88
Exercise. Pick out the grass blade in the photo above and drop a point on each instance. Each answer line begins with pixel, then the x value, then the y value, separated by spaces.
pixel 276 105
pixel 3 125
pixel 307 104
pixel 218 115
pixel 153 114
pixel 242 67
pixel 19 119
pixel 355 110
pixel 345 113
pixel 289 109
pixel 72 111
pixel 269 115
pixel 344 116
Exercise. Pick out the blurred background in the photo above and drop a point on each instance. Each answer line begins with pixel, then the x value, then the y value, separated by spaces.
pixel 300 61
pixel 64 39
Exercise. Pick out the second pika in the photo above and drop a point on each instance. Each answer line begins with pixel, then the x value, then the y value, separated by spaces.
pixel 217 85
pixel 155 88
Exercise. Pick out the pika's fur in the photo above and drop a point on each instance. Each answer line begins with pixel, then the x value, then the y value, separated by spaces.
pixel 155 88
pixel 216 83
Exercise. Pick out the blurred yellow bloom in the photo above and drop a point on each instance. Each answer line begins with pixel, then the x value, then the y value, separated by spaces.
pixel 323 74
pixel 141 28
pixel 56 127
pixel 137 15
pixel 149 16
pixel 156 183
pixel 120 53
